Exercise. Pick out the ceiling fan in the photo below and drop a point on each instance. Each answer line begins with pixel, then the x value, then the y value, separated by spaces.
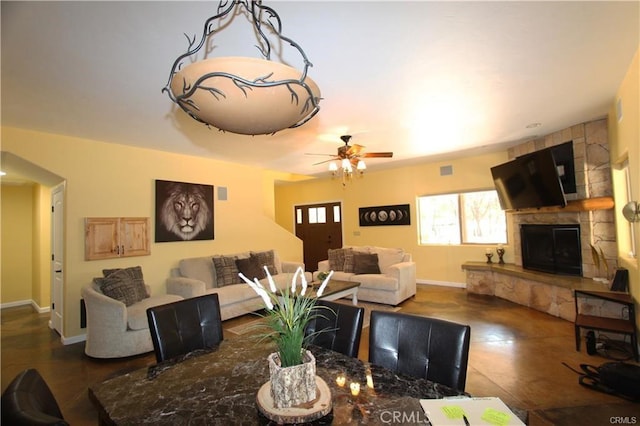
pixel 353 153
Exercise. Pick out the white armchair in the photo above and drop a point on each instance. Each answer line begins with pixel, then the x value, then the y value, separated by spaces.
pixel 115 330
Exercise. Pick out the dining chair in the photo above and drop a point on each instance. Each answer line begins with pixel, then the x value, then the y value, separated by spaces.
pixel 337 328
pixel 29 401
pixel 429 348
pixel 181 327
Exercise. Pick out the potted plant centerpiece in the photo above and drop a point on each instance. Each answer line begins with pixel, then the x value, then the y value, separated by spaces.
pixel 292 367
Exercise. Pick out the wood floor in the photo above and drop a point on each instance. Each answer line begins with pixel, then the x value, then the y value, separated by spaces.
pixel 516 354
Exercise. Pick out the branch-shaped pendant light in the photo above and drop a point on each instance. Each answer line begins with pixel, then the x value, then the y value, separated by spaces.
pixel 244 95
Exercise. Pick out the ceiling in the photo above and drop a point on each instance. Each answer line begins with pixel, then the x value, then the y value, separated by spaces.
pixel 426 80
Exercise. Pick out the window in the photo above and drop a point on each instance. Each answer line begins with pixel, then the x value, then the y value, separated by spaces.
pixel 317 214
pixel 466 218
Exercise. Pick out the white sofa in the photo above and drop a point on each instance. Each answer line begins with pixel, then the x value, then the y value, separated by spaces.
pixel 115 330
pixel 198 276
pixel 392 283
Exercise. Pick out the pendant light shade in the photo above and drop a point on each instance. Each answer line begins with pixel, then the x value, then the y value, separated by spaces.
pixel 244 95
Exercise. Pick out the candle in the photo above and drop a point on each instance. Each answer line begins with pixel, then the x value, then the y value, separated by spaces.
pixel 369 381
pixel 341 380
pixel 367 372
pixel 355 388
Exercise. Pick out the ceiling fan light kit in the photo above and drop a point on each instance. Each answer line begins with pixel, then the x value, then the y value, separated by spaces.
pixel 250 96
pixel 348 157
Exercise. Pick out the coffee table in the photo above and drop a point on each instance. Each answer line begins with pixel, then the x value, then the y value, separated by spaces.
pixel 337 289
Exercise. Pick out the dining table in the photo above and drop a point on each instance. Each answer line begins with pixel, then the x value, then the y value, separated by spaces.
pixel 219 387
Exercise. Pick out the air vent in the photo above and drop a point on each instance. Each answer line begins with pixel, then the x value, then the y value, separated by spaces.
pixel 446 170
pixel 222 193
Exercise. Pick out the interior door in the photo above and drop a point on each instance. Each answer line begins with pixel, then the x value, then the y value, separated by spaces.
pixel 57 258
pixel 319 226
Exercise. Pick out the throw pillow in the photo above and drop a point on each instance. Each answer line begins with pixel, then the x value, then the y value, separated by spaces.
pixel 121 285
pixel 348 260
pixel 365 263
pixel 336 259
pixel 266 258
pixel 251 268
pixel 135 272
pixel 226 270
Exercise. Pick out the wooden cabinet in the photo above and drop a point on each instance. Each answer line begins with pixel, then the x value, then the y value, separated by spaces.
pixel 109 237
pixel 593 322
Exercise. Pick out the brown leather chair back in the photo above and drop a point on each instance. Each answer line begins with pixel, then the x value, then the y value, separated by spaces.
pixel 338 328
pixel 29 401
pixel 181 327
pixel 423 347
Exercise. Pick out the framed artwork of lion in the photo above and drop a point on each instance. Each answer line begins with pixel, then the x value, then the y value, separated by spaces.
pixel 184 211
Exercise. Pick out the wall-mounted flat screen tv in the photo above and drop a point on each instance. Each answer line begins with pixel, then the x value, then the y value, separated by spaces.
pixel 529 181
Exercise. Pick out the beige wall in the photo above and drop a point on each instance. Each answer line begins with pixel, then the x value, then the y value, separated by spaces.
pixel 115 180
pixel 34 284
pixel 434 263
pixel 624 136
pixel 41 253
pixel 17 243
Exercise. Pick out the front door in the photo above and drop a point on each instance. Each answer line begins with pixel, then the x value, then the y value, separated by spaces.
pixel 319 226
pixel 57 260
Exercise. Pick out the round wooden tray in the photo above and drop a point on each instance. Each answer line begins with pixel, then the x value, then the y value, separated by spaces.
pixel 314 410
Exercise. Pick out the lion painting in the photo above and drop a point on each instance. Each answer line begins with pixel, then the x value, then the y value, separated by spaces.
pixel 184 211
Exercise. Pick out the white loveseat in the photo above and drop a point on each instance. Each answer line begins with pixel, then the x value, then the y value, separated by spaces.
pixel 197 276
pixel 386 275
pixel 115 329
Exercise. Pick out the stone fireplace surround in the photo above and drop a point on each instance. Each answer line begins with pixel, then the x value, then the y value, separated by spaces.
pixel 551 293
pixel 593 179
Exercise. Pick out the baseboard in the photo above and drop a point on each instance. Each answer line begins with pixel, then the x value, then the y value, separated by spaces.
pixel 75 339
pixel 70 340
pixel 16 303
pixel 40 310
pixel 441 283
pixel 31 302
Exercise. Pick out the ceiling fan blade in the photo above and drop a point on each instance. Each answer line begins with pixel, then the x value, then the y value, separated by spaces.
pixel 326 161
pixel 324 155
pixel 377 155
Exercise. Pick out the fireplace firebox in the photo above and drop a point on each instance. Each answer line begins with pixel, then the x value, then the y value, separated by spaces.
pixel 552 248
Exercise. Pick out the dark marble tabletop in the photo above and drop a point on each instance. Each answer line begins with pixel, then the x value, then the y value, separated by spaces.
pixel 220 386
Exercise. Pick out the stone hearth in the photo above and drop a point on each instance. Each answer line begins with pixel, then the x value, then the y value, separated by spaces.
pixel 549 293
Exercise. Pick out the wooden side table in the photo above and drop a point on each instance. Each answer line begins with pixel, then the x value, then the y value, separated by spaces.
pixel 594 322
